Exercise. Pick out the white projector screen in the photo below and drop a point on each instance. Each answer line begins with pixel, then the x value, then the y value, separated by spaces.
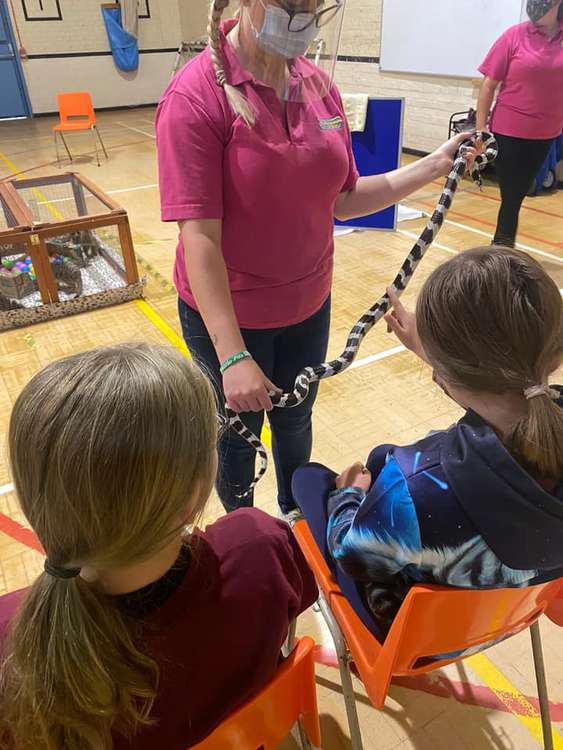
pixel 443 37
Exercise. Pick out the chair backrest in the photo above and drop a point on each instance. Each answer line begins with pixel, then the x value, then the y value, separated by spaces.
pixel 267 719
pixel 434 620
pixel 76 106
pixel 555 608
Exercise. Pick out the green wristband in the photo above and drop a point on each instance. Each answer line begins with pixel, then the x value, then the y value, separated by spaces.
pixel 234 359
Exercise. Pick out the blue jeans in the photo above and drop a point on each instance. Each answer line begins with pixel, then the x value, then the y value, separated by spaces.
pixel 281 353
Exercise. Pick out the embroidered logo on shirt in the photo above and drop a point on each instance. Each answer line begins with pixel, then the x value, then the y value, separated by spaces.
pixel 331 123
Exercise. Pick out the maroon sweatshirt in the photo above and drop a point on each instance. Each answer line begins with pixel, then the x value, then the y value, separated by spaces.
pixel 217 636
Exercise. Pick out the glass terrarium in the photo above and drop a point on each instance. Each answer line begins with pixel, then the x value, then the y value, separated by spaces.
pixel 65 247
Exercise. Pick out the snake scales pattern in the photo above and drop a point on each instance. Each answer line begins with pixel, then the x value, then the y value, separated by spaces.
pixel 363 326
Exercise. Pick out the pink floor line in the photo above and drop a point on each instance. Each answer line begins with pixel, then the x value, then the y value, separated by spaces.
pixel 436 683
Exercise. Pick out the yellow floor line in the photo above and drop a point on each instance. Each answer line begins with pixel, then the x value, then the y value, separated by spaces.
pixel 509 695
pixel 163 326
pixel 180 344
pixel 55 213
pixel 10 164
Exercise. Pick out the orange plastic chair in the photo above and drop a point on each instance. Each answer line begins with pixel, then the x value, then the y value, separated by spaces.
pixel 555 609
pixel 266 720
pixel 76 113
pixel 432 620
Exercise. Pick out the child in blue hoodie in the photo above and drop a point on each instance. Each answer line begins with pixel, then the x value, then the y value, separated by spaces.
pixel 479 505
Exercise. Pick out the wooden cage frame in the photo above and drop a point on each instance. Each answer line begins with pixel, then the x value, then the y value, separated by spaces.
pixel 34 236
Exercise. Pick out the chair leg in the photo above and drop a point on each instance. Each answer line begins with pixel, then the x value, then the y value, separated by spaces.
pixel 542 685
pixel 101 142
pixel 286 650
pixel 57 149
pixel 345 676
pixel 303 739
pixel 290 643
pixel 95 144
pixel 66 147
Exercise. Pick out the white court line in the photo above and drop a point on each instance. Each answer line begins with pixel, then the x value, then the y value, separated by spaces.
pixel 132 189
pixel 543 253
pixel 434 244
pixel 136 130
pixel 55 200
pixel 5 488
pixel 377 357
pixel 109 192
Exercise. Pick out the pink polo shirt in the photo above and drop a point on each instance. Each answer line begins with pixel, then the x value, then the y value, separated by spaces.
pixel 274 186
pixel 530 66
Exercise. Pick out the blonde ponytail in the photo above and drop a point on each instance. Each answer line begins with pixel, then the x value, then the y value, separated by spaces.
pixel 123 440
pixel 537 439
pixel 238 102
pixel 73 673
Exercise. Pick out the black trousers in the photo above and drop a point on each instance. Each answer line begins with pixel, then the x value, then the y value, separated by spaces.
pixel 518 162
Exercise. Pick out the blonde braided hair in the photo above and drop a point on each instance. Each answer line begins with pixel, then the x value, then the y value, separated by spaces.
pixel 239 103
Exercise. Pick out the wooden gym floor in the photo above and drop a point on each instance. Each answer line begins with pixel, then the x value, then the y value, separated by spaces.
pixel 488 701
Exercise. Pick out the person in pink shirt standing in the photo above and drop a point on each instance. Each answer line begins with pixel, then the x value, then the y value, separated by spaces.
pixel 255 161
pixel 527 63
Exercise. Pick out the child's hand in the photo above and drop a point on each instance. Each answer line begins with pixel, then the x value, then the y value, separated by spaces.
pixel 355 476
pixel 402 323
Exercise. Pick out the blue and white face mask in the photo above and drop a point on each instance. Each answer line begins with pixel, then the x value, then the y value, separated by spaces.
pixel 276 38
pixel 536 9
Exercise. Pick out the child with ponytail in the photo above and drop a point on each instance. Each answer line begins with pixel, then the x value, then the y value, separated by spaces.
pixel 479 505
pixel 139 633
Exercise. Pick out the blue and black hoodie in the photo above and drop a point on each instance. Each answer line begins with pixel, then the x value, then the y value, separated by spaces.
pixel 453 509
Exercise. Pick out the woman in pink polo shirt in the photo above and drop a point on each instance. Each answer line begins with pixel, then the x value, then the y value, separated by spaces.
pixel 255 161
pixel 527 63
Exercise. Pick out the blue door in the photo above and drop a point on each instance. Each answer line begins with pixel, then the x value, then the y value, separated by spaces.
pixel 13 94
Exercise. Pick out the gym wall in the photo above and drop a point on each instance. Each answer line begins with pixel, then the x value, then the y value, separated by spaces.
pixel 73 54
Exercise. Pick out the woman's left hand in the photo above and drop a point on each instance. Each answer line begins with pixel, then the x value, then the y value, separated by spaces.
pixel 443 157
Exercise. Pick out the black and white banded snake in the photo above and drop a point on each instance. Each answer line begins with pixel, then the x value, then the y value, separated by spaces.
pixel 362 327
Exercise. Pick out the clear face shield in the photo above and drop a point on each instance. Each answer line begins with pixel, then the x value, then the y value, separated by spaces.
pixel 300 40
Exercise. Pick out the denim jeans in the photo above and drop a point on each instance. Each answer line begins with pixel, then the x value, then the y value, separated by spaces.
pixel 281 353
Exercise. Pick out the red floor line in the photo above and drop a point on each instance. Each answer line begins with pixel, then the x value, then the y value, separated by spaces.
pixel 437 684
pixel 557 245
pixel 18 532
pixel 497 200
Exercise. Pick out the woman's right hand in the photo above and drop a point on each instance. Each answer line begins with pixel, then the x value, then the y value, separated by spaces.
pixel 246 388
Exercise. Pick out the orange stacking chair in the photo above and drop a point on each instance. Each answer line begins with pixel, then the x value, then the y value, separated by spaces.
pixel 432 620
pixel 76 114
pixel 266 720
pixel 555 609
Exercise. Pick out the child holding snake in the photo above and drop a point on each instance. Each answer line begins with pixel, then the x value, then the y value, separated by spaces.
pixel 479 505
